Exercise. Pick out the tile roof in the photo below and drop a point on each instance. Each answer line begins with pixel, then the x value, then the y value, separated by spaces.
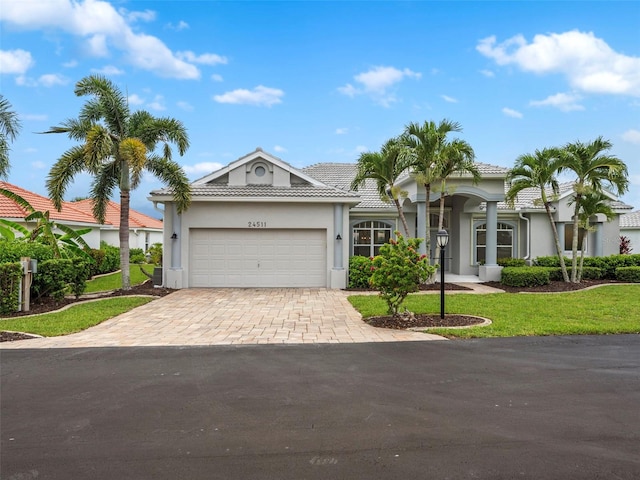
pixel 10 209
pixel 112 215
pixel 630 220
pixel 296 191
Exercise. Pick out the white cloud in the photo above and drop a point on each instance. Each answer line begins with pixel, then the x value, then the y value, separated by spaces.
pixel 181 25
pixel 279 149
pixel 361 149
pixel 157 104
pixel 562 101
pixel 103 27
pixel 377 82
pixel 205 58
pixel 185 106
pixel 488 73
pixel 146 16
pixel 511 113
pixel 38 165
pixel 342 131
pixel 15 61
pixel 260 96
pixel 70 64
pixel 36 117
pixel 216 78
pixel 588 63
pixel 135 99
pixel 108 70
pixel 632 136
pixel 46 80
pixel 449 99
pixel 202 167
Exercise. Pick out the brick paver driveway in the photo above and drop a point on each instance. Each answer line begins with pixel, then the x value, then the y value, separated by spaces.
pixel 230 317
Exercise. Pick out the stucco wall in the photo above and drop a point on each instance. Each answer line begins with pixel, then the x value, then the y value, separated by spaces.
pixel 634 236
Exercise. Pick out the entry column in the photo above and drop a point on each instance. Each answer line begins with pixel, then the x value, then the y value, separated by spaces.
pixel 490 271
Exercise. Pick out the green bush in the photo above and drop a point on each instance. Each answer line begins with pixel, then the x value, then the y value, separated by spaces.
pixel 53 277
pixel 550 261
pixel 81 273
pixel 592 273
pixel 555 273
pixel 525 276
pixel 399 270
pixel 628 274
pixel 512 262
pixel 155 251
pixel 13 250
pixel 136 255
pixel 10 274
pixel 360 271
pixel 111 261
pixel 98 259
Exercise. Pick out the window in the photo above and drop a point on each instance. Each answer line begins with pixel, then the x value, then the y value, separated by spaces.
pixel 568 237
pixel 505 241
pixel 368 237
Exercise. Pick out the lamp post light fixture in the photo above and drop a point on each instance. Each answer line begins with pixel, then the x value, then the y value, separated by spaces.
pixel 442 239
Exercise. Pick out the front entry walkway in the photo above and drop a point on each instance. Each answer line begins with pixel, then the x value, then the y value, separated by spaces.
pixel 233 317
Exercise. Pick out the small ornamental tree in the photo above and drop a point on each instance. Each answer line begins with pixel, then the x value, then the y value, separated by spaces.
pixel 625 245
pixel 399 270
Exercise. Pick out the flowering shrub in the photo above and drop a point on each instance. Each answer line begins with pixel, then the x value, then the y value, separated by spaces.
pixel 360 271
pixel 399 270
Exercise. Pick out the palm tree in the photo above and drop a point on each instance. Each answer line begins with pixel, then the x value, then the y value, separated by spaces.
pixel 384 167
pixel 426 142
pixel 595 171
pixel 116 148
pixel 9 129
pixel 592 203
pixel 539 171
pixel 455 158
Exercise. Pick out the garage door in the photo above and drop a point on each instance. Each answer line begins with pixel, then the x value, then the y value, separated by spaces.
pixel 258 258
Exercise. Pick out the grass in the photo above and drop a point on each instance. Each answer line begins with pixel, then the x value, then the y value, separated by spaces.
pixel 113 281
pixel 605 310
pixel 78 317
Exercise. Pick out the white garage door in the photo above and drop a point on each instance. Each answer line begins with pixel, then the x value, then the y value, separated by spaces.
pixel 258 258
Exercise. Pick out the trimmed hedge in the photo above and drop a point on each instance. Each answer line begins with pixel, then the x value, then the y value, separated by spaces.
pixel 360 271
pixel 12 251
pixel 606 265
pixel 10 274
pixel 628 274
pixel 525 276
pixel 512 262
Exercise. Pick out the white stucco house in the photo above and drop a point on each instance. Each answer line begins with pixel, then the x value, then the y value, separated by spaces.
pixel 630 228
pixel 259 222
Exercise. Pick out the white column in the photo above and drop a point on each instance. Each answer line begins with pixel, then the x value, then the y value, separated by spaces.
pixel 492 234
pixel 338 245
pixel 421 213
pixel 596 251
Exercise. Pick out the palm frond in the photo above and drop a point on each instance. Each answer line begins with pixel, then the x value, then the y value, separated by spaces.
pixel 172 175
pixel 63 172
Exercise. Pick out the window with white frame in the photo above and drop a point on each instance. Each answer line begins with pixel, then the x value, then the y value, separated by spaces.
pixel 368 237
pixel 505 241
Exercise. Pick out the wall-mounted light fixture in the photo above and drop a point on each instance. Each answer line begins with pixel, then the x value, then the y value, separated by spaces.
pixel 174 236
pixel 338 237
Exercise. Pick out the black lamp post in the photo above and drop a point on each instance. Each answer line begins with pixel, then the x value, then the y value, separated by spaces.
pixel 443 240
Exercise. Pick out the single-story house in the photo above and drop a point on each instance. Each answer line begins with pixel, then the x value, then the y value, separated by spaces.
pixel 630 228
pixel 144 230
pixel 259 222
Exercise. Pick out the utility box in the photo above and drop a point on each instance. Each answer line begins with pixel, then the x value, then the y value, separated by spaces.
pixel 157 276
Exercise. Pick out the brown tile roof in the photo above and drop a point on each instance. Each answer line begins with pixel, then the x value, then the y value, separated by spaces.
pixel 10 209
pixel 112 215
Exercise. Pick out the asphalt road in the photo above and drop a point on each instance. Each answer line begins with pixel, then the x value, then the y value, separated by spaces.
pixel 522 408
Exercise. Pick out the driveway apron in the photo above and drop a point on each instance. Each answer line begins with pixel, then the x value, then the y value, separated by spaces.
pixel 220 316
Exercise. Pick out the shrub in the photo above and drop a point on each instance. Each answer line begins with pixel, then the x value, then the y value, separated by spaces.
pixel 111 261
pixel 136 255
pixel 53 277
pixel 525 276
pixel 360 271
pixel 592 273
pixel 550 261
pixel 98 259
pixel 155 251
pixel 10 274
pixel 399 270
pixel 13 250
pixel 625 245
pixel 555 273
pixel 80 274
pixel 512 262
pixel 628 274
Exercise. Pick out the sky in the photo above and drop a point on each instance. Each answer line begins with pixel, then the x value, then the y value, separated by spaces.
pixel 324 81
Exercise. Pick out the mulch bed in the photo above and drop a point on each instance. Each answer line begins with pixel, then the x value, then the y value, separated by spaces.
pixel 553 287
pixel 421 320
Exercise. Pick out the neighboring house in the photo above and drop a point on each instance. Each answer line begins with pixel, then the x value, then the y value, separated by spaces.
pixel 259 222
pixel 630 228
pixel 144 230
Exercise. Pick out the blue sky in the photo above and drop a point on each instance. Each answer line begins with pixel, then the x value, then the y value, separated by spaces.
pixel 324 81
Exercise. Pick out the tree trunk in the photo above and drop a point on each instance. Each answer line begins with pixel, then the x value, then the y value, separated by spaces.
pixel 427 234
pixel 124 227
pixel 402 217
pixel 559 249
pixel 584 242
pixel 441 217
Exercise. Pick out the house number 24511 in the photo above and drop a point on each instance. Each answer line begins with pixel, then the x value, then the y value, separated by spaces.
pixel 257 224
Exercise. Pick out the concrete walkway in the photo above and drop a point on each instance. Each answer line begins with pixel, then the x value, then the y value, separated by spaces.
pixel 235 317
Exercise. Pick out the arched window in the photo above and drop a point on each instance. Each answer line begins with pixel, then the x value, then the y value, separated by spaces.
pixel 368 237
pixel 505 241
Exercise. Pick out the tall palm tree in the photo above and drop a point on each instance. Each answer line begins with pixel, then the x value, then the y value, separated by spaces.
pixel 116 147
pixel 9 129
pixel 539 171
pixel 455 158
pixel 384 167
pixel 592 203
pixel 595 170
pixel 426 141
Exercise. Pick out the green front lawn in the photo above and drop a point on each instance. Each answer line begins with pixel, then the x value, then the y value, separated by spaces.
pixel 604 310
pixel 78 317
pixel 113 281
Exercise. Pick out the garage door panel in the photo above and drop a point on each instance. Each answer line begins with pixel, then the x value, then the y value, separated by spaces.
pixel 258 258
